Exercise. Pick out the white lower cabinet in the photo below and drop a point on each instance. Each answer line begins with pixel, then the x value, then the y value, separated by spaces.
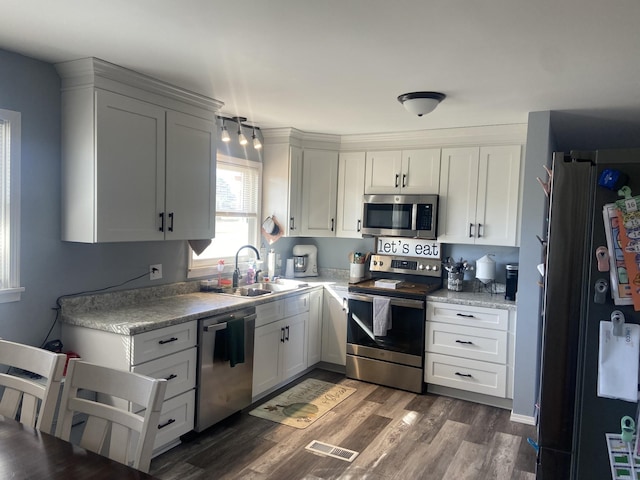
pixel 314 328
pixel 168 353
pixel 470 348
pixel 280 348
pixel 334 325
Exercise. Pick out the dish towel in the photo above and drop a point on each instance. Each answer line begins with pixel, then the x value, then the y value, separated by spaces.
pixel 618 359
pixel 235 341
pixel 381 316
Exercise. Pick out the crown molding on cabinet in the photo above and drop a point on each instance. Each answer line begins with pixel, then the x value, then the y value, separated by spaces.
pixel 509 134
pixel 94 72
pixel 295 137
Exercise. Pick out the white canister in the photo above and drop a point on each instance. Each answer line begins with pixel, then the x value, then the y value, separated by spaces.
pixel 271 263
pixel 356 272
pixel 288 272
pixel 486 268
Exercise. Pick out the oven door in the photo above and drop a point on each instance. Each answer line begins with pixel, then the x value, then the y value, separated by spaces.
pixel 404 341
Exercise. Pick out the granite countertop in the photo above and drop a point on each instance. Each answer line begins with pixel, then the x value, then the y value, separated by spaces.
pixel 131 312
pixel 476 299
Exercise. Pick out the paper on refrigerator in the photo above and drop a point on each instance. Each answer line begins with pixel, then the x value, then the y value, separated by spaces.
pixel 618 358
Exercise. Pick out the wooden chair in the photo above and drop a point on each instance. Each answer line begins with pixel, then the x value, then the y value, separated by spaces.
pixel 119 433
pixel 30 400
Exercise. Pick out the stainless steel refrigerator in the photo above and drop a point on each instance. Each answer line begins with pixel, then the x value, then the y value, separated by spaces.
pixel 572 419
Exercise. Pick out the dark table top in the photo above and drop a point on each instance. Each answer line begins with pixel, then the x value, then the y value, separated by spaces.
pixel 26 453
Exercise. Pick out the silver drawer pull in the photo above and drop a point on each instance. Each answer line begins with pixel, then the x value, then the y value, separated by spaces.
pixel 465 316
pixel 464 342
pixel 172 339
pixel 466 375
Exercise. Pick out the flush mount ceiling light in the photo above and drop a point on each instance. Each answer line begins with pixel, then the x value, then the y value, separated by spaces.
pixel 421 103
pixel 242 140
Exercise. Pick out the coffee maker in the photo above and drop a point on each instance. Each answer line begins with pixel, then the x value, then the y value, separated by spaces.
pixel 305 261
pixel 511 281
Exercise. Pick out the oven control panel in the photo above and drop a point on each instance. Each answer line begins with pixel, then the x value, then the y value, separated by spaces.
pixel 409 265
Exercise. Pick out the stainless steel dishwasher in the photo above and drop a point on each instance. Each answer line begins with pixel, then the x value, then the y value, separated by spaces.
pixel 223 389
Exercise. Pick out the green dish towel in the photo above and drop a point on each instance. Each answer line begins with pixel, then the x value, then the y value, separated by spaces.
pixel 235 341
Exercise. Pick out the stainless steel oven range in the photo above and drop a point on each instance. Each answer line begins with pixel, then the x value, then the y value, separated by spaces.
pixel 391 356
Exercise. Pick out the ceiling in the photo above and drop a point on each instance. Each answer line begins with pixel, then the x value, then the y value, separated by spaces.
pixel 337 66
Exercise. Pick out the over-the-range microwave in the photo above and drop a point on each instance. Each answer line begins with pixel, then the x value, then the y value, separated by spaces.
pixel 400 215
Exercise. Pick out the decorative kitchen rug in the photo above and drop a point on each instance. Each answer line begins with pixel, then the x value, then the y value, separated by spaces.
pixel 303 404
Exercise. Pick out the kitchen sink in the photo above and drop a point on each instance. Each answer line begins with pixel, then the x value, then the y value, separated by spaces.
pixel 259 289
pixel 248 291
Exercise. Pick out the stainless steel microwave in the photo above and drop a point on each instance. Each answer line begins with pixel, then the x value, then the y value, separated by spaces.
pixel 400 215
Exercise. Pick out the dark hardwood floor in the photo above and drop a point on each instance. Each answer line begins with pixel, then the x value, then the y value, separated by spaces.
pixel 399 435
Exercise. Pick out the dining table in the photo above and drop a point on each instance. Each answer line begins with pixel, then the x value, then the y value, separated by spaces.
pixel 27 453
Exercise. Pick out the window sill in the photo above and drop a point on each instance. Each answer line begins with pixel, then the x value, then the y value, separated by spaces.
pixel 11 294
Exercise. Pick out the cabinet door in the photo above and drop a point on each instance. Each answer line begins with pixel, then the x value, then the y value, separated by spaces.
pixel 458 192
pixel 351 167
pixel 498 195
pixel 191 177
pixel 334 326
pixel 383 172
pixel 314 329
pixel 420 172
pixel 267 369
pixel 129 169
pixel 294 356
pixel 294 188
pixel 319 193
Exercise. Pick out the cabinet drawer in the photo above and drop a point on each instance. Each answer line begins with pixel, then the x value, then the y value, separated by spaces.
pixel 176 418
pixel 467 342
pixel 164 341
pixel 482 317
pixel 269 312
pixel 296 305
pixel 179 369
pixel 471 375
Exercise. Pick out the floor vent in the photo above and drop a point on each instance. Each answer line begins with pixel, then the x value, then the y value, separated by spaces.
pixel 332 451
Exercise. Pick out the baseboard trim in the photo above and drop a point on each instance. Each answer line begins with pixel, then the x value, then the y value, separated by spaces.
pixel 526 419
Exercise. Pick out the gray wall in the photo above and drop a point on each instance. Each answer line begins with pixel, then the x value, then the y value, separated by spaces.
pixel 49 267
pixel 533 223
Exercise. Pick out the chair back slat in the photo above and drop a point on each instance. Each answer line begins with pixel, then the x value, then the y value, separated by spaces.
pixel 31 401
pixel 117 428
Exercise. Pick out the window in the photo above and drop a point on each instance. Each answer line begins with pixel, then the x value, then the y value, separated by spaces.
pixel 238 185
pixel 9 206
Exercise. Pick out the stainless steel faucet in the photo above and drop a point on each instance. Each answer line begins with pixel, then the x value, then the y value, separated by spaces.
pixel 236 272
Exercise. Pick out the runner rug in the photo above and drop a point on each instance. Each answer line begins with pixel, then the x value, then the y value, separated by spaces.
pixel 303 404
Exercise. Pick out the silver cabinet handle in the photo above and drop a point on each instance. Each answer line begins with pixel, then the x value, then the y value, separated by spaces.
pixel 470 227
pixel 292 223
pixel 216 327
pixel 359 226
pixel 480 228
pixel 397 177
pixel 404 180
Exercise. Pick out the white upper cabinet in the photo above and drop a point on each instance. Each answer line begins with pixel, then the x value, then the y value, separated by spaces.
pixel 319 192
pixel 282 186
pixel 138 159
pixel 479 195
pixel 403 171
pixel 351 167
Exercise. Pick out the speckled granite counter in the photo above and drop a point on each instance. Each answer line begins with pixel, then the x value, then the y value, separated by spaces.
pixel 476 299
pixel 131 312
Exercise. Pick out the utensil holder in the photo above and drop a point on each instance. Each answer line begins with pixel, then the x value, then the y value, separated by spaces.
pixel 454 281
pixel 356 272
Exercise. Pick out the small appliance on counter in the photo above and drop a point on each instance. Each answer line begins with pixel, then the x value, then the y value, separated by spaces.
pixel 305 261
pixel 512 281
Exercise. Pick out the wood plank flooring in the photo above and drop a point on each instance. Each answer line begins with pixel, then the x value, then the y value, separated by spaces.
pixel 400 435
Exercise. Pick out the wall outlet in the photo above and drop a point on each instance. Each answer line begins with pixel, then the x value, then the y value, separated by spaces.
pixel 155 271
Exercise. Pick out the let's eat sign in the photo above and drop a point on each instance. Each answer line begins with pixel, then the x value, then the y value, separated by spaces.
pixel 408 247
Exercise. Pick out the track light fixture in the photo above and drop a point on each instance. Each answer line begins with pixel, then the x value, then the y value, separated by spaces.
pixel 225 133
pixel 242 139
pixel 257 144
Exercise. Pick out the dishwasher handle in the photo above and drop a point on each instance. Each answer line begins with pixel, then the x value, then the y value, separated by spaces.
pixel 215 327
